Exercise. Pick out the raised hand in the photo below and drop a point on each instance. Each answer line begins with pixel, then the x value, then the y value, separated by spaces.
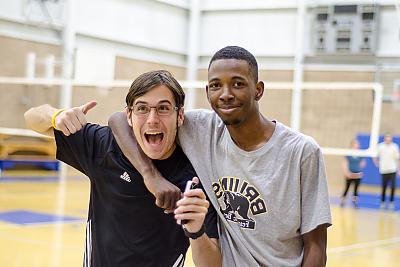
pixel 193 208
pixel 71 120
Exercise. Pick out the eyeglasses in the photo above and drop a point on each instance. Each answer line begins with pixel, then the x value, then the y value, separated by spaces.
pixel 161 109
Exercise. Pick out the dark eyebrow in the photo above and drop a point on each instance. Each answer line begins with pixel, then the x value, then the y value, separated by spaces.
pixel 160 102
pixel 233 78
pixel 214 80
pixel 140 102
pixel 164 101
pixel 238 78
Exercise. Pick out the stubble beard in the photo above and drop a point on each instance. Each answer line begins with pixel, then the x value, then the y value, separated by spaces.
pixel 231 122
pixel 227 121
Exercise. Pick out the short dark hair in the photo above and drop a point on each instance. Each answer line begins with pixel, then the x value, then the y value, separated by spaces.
pixel 237 52
pixel 147 81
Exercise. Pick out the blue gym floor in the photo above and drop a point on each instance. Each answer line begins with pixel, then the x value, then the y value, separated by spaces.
pixel 367 201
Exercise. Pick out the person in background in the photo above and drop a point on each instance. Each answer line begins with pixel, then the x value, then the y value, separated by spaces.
pixel 388 162
pixel 352 168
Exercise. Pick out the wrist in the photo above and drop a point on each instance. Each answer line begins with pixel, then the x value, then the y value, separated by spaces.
pixel 151 174
pixel 53 118
pixel 196 234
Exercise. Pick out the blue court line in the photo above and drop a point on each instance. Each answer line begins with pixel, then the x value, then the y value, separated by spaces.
pixel 367 201
pixel 26 217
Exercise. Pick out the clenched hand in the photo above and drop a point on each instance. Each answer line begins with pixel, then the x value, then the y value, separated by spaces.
pixel 166 193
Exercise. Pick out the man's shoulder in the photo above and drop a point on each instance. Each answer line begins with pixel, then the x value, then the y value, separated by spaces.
pixel 101 135
pixel 90 128
pixel 204 118
pixel 293 141
pixel 199 114
pixel 94 137
pixel 297 138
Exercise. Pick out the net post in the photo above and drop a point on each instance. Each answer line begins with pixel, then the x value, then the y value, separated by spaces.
pixel 376 117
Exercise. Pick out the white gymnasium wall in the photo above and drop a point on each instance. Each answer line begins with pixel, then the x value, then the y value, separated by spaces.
pixel 156 30
pixel 29 11
pixel 86 59
pixel 151 30
pixel 389 33
pixel 143 23
pixel 264 32
pixel 247 5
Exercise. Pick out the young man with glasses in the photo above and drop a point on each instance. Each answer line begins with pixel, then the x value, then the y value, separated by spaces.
pixel 125 227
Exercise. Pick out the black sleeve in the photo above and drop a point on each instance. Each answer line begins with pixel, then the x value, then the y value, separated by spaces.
pixel 211 222
pixel 80 150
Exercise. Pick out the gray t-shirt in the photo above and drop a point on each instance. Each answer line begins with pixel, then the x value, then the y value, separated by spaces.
pixel 267 198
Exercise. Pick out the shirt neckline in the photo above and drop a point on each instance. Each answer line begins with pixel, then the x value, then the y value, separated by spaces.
pixel 260 150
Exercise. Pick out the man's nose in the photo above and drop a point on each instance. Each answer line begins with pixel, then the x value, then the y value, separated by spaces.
pixel 226 94
pixel 153 116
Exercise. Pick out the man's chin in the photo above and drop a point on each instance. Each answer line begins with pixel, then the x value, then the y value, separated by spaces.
pixel 226 119
pixel 153 154
pixel 233 122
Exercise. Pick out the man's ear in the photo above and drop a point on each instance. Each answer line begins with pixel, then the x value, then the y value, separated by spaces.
pixel 181 116
pixel 129 116
pixel 259 90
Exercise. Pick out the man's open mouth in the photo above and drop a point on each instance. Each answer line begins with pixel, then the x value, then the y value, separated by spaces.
pixel 154 137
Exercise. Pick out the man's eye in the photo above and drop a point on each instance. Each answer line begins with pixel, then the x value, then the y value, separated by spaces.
pixel 238 84
pixel 213 86
pixel 164 107
pixel 142 108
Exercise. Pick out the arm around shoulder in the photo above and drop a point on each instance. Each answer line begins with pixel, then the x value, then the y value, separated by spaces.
pixel 39 119
pixel 165 192
pixel 127 142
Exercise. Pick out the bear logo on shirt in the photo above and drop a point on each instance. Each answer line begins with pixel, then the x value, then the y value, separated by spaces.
pixel 236 200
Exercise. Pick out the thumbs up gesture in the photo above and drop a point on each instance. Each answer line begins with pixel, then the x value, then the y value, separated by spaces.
pixel 71 120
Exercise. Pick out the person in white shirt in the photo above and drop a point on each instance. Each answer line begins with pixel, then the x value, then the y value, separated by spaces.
pixel 388 163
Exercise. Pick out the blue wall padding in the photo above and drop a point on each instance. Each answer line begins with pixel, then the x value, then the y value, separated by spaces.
pixel 48 164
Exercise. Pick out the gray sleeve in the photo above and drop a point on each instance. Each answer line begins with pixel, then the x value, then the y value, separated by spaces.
pixel 315 208
pixel 192 129
pixel 188 128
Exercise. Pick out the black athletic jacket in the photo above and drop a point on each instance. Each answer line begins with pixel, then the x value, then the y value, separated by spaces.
pixel 125 227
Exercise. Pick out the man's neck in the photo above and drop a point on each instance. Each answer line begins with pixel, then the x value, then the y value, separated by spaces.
pixel 253 133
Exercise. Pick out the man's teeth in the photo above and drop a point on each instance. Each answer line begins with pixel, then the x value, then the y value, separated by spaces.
pixel 153 133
